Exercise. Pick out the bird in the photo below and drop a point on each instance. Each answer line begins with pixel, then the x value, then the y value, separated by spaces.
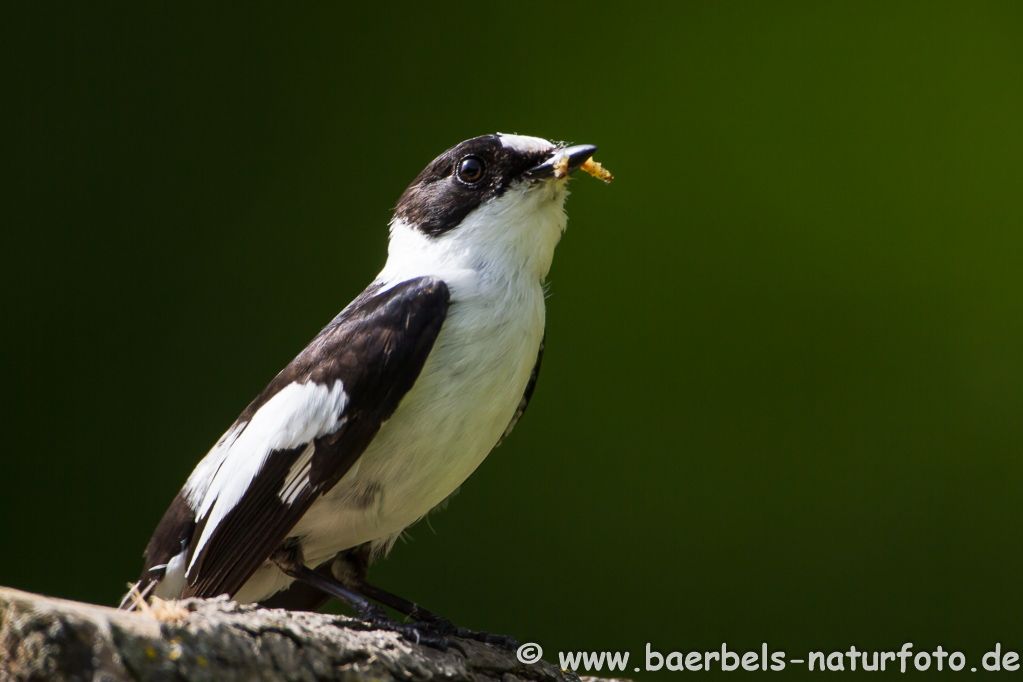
pixel 391 407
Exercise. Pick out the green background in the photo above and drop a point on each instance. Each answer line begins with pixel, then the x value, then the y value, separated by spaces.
pixel 782 398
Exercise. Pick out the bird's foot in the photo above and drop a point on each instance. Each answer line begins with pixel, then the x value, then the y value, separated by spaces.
pixel 445 628
pixel 503 641
pixel 422 632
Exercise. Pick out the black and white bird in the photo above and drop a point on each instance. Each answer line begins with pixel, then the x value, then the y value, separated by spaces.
pixel 393 404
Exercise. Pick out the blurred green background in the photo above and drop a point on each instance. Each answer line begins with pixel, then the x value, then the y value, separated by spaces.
pixel 782 398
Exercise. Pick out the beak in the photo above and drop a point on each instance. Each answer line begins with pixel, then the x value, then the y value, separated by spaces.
pixel 562 162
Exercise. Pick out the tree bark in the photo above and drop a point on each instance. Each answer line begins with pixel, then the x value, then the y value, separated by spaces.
pixel 42 638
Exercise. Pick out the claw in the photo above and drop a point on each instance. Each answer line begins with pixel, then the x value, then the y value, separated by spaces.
pixel 416 633
pixel 444 627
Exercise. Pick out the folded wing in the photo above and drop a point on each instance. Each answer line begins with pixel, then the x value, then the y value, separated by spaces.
pixel 297 439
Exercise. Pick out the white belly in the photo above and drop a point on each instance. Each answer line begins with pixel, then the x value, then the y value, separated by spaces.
pixel 443 429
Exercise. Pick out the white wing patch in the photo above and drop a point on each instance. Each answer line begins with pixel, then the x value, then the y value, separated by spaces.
pixel 298 476
pixel 199 482
pixel 524 143
pixel 297 479
pixel 296 415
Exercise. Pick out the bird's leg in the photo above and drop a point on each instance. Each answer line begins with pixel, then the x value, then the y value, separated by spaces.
pixel 351 567
pixel 290 563
pixel 403 606
pixel 437 623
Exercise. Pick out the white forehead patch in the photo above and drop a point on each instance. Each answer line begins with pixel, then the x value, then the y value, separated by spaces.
pixel 524 143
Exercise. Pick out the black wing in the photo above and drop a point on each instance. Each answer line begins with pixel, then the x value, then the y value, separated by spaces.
pixel 376 348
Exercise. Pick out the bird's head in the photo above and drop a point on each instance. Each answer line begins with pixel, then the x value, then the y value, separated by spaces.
pixel 494 201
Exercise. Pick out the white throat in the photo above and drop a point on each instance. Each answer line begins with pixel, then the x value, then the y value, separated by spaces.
pixel 510 237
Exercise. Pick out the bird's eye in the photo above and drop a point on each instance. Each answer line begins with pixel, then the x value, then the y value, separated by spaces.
pixel 470 169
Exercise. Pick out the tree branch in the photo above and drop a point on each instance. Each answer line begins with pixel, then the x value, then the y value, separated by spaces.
pixel 42 638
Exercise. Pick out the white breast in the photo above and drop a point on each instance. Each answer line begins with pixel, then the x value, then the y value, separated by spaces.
pixel 445 426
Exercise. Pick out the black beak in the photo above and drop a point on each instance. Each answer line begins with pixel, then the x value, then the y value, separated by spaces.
pixel 567 160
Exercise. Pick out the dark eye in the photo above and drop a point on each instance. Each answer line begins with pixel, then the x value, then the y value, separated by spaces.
pixel 470 169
